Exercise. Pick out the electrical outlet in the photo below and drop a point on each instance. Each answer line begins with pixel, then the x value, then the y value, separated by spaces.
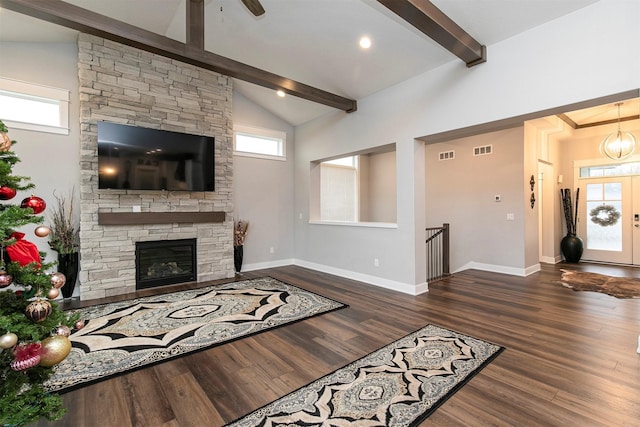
pixel 510 217
pixel 271 250
pixel 376 262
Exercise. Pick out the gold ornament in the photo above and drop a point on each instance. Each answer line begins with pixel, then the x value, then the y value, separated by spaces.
pixel 63 330
pixel 8 340
pixel 53 293
pixel 42 231
pixel 5 142
pixel 54 349
pixel 38 310
pixel 58 280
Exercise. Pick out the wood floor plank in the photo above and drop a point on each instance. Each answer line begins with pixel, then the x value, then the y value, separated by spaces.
pixel 570 357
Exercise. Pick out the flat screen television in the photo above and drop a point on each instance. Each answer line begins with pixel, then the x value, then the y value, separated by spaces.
pixel 138 158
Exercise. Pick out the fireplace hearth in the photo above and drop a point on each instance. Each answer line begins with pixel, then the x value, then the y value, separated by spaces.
pixel 165 262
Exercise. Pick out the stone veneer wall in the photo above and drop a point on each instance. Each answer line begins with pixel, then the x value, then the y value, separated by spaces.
pixel 123 84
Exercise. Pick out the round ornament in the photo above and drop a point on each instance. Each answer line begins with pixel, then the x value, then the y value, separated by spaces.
pixel 25 356
pixel 58 280
pixel 5 279
pixel 34 202
pixel 53 293
pixel 5 142
pixel 604 215
pixel 42 231
pixel 7 193
pixel 38 310
pixel 8 340
pixel 63 330
pixel 54 349
pixel 79 324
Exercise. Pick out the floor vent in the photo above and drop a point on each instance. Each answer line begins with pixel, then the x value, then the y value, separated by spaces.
pixel 447 155
pixel 483 151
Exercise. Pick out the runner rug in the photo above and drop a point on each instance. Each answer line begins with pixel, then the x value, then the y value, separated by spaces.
pixel 399 385
pixel 122 336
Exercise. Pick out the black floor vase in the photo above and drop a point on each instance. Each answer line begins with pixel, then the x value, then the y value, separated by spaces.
pixel 571 247
pixel 237 257
pixel 68 265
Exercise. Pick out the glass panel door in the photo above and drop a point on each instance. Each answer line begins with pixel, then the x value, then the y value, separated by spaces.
pixel 604 220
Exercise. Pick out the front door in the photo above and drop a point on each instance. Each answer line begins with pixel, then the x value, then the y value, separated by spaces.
pixel 609 219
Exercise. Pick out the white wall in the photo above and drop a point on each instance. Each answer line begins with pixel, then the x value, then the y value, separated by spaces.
pixel 381 184
pixel 462 192
pixel 555 64
pixel 263 192
pixel 52 161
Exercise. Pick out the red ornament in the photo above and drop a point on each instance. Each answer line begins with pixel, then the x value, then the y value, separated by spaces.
pixel 25 356
pixel 7 193
pixel 34 202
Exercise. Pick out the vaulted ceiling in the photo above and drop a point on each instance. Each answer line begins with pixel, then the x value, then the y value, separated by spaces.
pixel 313 42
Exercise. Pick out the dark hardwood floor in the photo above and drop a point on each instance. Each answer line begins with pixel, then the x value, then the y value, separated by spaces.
pixel 570 357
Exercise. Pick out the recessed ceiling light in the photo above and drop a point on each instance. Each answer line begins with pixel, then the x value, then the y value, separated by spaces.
pixel 365 42
pixel 280 93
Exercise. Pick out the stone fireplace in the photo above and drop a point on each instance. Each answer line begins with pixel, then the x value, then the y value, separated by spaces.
pixel 122 84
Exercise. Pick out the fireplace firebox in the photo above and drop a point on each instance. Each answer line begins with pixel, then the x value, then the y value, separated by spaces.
pixel 165 262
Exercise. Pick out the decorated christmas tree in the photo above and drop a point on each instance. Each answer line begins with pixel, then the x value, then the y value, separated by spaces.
pixel 33 330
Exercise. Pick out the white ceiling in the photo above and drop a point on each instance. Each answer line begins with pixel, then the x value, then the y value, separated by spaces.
pixel 313 41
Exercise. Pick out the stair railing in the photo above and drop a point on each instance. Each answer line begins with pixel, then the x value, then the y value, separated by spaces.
pixel 437 252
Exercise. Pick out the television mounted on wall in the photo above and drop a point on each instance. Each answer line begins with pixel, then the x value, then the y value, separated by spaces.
pixel 139 158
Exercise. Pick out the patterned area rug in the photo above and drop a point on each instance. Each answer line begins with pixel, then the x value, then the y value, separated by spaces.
pixel 398 385
pixel 619 287
pixel 131 334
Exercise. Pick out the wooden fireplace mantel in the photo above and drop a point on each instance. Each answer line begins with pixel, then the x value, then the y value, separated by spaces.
pixel 141 218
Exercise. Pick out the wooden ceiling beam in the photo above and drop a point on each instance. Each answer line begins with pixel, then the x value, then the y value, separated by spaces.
pixel 195 23
pixel 430 20
pixel 83 20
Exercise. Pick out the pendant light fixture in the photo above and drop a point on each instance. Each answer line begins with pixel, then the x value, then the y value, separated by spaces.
pixel 618 145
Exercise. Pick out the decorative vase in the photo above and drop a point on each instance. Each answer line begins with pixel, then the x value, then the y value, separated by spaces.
pixel 237 257
pixel 68 265
pixel 571 247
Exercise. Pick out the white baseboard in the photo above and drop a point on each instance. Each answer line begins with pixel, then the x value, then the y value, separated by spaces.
pixel 523 272
pixel 268 264
pixel 372 280
pixel 552 260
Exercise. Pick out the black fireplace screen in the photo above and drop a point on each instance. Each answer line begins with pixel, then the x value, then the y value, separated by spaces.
pixel 165 262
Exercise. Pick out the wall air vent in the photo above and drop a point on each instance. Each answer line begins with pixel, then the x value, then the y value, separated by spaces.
pixel 483 151
pixel 447 155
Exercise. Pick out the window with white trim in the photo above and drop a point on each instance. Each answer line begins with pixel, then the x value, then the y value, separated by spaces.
pixel 35 107
pixel 339 190
pixel 257 142
pixel 358 188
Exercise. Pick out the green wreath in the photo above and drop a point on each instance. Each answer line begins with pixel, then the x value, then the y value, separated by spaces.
pixel 604 215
